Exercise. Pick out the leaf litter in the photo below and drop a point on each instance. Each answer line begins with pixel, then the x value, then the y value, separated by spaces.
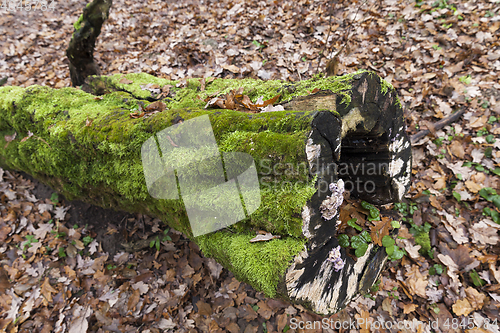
pixel 439 55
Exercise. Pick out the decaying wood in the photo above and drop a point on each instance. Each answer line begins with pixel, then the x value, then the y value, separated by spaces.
pixel 97 159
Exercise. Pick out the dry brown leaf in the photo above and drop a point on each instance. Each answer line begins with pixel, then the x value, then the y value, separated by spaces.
pixel 233 327
pixel 387 305
pixel 4 232
pixel 232 68
pixel 282 321
pixel 380 229
pixel 462 307
pixel 440 183
pixel 364 322
pixel 479 122
pixel 124 80
pixel 47 290
pixel 182 83
pixel 235 100
pixel 88 122
pixel 9 138
pixel 417 286
pixel 204 309
pixel 263 238
pixel 156 106
pixel 27 137
pixel 133 300
pixel 473 187
pixel 475 298
pixel 246 312
pixel 268 102
pixel 264 310
pixel 435 202
pixel 408 308
pixel 4 280
pixel 457 149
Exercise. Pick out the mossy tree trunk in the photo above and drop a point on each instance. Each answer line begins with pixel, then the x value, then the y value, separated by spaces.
pixel 305 157
pixel 80 51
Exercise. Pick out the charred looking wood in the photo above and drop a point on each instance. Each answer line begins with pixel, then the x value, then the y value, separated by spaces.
pixel 80 51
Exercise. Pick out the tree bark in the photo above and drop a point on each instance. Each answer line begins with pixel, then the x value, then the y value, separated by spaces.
pixel 305 157
pixel 80 51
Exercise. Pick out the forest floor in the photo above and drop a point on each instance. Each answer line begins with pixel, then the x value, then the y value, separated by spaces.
pixel 62 270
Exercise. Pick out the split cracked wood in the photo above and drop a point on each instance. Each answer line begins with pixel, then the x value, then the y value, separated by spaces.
pixel 348 135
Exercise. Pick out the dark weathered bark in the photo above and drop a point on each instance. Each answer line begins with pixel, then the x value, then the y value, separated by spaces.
pixel 371 136
pixel 80 51
pixel 89 148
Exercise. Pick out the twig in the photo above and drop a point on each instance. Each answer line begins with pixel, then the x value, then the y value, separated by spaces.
pixel 332 64
pixel 438 125
pixel 327 37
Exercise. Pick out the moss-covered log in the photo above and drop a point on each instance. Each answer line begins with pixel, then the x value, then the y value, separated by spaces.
pixel 335 134
pixel 80 51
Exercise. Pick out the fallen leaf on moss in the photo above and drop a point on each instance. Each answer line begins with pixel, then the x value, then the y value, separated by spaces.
pixel 27 137
pixel 263 238
pixel 235 100
pixel 156 106
pixel 124 80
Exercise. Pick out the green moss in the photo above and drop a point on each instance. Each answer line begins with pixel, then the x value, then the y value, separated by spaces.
pixel 421 235
pixel 385 86
pixel 261 264
pixel 398 102
pixel 191 96
pixel 70 125
pixel 86 147
pixel 77 24
pixel 424 241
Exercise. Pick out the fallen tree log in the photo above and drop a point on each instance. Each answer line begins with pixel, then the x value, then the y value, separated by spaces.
pixel 334 135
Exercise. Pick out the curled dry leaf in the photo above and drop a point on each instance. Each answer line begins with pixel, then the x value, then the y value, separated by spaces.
pixel 262 238
pixel 156 106
pixel 9 138
pixel 137 115
pixel 182 83
pixel 124 80
pixel 235 100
